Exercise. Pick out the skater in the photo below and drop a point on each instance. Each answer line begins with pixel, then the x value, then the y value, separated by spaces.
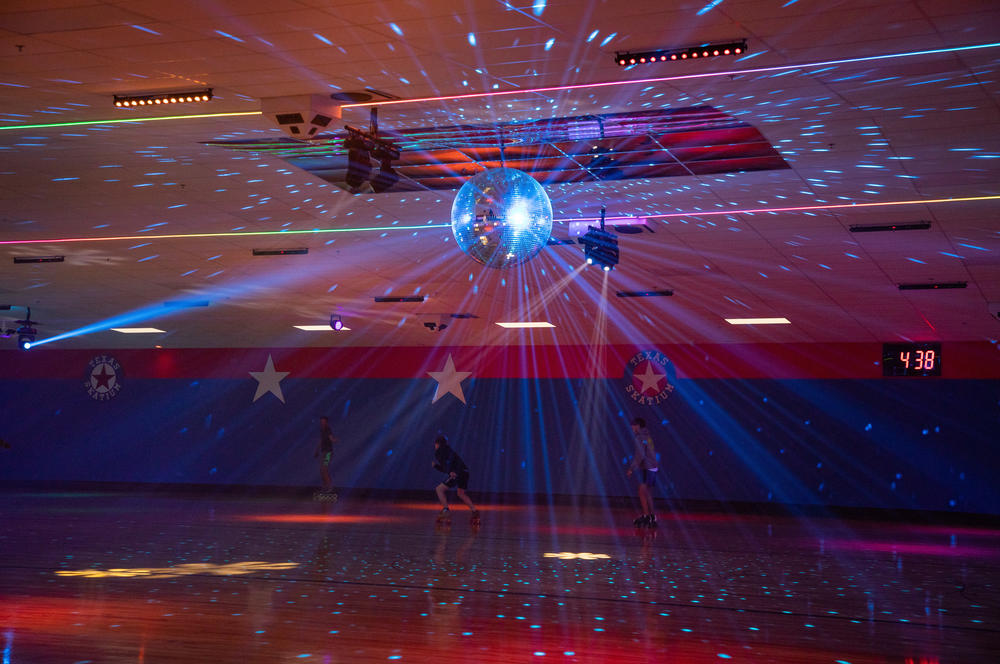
pixel 324 452
pixel 447 461
pixel 644 461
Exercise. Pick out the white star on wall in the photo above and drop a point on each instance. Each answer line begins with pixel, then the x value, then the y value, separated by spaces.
pixel 650 379
pixel 269 380
pixel 449 381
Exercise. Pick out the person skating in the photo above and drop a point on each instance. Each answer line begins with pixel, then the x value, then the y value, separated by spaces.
pixel 324 452
pixel 645 462
pixel 447 461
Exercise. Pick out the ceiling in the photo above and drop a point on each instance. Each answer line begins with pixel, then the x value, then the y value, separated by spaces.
pixel 872 112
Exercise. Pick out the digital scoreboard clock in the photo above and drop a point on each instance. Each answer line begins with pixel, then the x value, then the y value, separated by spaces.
pixel 923 359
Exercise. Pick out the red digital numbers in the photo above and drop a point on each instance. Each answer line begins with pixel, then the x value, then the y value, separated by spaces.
pixel 923 360
pixel 911 359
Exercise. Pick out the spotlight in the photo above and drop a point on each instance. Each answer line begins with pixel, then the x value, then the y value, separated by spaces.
pixel 336 323
pixel 700 51
pixel 200 95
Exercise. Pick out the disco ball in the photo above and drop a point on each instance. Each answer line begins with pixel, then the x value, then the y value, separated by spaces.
pixel 501 217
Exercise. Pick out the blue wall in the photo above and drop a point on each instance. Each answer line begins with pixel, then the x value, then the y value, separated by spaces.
pixel 914 444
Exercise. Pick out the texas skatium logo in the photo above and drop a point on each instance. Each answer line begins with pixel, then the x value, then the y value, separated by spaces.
pixel 649 377
pixel 104 376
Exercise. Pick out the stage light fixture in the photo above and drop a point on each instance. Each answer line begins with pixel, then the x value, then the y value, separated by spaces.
pixel 600 247
pixel 159 99
pixel 668 54
pixel 336 323
pixel 26 337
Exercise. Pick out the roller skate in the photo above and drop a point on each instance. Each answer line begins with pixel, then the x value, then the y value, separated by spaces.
pixel 474 520
pixel 443 522
pixel 642 520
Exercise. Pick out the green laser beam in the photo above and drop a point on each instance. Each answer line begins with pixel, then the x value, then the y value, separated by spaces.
pixel 121 120
pixel 178 236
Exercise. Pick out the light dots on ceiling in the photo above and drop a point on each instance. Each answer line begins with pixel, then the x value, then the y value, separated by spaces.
pixel 703 51
pixel 165 98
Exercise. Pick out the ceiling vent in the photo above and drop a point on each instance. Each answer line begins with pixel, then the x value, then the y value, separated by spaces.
pixel 404 298
pixel 934 285
pixel 280 252
pixel 185 304
pixel 39 259
pixel 661 292
pixel 880 228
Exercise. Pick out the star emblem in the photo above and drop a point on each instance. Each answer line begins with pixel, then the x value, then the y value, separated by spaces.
pixel 449 381
pixel 650 379
pixel 269 380
pixel 102 379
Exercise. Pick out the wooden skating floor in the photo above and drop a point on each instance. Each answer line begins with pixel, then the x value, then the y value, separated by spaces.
pixel 116 577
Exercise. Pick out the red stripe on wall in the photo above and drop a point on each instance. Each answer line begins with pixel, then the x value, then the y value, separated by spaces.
pixel 968 360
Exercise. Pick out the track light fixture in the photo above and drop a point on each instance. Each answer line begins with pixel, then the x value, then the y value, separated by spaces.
pixel 166 98
pixel 628 59
pixel 336 323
